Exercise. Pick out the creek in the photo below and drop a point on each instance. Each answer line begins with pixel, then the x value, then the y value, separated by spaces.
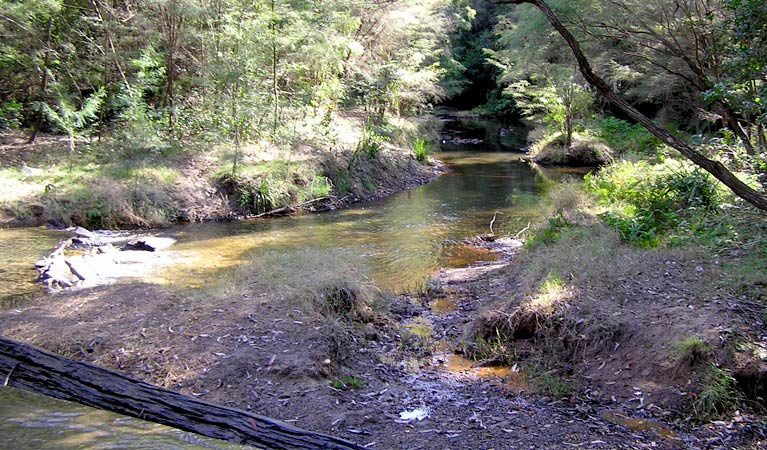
pixel 404 238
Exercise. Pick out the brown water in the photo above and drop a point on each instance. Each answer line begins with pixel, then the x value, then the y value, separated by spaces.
pixel 404 238
pixel 31 421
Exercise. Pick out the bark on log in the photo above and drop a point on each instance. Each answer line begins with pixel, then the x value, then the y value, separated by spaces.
pixel 25 367
pixel 715 168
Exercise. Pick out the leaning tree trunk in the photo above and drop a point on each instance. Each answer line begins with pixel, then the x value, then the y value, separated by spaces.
pixel 715 168
pixel 28 368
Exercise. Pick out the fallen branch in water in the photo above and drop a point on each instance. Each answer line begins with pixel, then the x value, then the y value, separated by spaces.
pixel 285 210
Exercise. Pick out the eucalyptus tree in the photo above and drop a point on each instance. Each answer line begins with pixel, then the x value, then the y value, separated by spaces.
pixel 716 168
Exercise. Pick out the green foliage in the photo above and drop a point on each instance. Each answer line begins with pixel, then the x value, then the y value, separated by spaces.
pixel 718 394
pixel 693 349
pixel 647 201
pixel 420 149
pixel 10 115
pixel 628 138
pixel 549 384
pixel 371 143
pixel 348 382
pixel 342 182
pixel 548 233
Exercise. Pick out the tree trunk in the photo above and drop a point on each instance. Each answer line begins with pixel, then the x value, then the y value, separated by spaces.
pixel 28 368
pixel 43 82
pixel 715 168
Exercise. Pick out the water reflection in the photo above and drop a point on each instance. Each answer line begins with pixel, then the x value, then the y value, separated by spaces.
pixel 405 238
pixel 29 420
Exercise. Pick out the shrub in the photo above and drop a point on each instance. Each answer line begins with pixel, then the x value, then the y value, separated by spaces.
pixel 646 201
pixel 11 114
pixel 627 137
pixel 420 149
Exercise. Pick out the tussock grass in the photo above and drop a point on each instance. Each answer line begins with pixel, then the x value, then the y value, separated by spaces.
pixel 328 286
pixel 585 150
pixel 549 307
pixel 718 394
pixel 692 350
pixel 320 282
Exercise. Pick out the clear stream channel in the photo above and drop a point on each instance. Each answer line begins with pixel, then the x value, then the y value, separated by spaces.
pixel 404 238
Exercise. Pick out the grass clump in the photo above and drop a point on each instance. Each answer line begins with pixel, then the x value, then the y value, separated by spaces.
pixel 554 386
pixel 371 143
pixel 321 282
pixel 548 233
pixel 262 187
pixel 496 349
pixel 693 350
pixel 718 394
pixel 420 150
pixel 585 150
pixel 348 382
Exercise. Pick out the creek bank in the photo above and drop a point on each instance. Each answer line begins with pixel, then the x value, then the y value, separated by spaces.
pixel 362 370
pixel 188 186
pixel 613 342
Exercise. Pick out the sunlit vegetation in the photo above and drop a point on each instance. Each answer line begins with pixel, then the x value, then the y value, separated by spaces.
pixel 229 83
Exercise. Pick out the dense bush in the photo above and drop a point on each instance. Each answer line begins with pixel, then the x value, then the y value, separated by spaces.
pixel 645 201
pixel 627 137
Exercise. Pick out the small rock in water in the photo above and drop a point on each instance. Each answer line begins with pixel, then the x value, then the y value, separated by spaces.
pixel 149 244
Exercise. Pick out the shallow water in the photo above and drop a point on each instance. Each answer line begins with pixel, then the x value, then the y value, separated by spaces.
pixel 19 249
pixel 404 238
pixel 33 421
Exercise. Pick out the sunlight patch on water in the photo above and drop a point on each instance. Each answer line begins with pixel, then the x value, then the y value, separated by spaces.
pixel 637 424
pixel 508 377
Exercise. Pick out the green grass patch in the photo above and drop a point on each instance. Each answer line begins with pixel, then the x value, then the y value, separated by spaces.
pixel 348 382
pixel 548 233
pixel 420 150
pixel 626 137
pixel 693 349
pixel 717 396
pixel 262 187
pixel 547 383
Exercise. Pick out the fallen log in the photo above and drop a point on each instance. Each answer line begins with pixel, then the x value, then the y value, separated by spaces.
pixel 25 367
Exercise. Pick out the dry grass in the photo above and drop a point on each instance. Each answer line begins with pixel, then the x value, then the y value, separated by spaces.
pixel 568 301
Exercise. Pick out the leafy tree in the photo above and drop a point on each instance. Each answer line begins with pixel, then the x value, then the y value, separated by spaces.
pixel 716 168
pixel 71 119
